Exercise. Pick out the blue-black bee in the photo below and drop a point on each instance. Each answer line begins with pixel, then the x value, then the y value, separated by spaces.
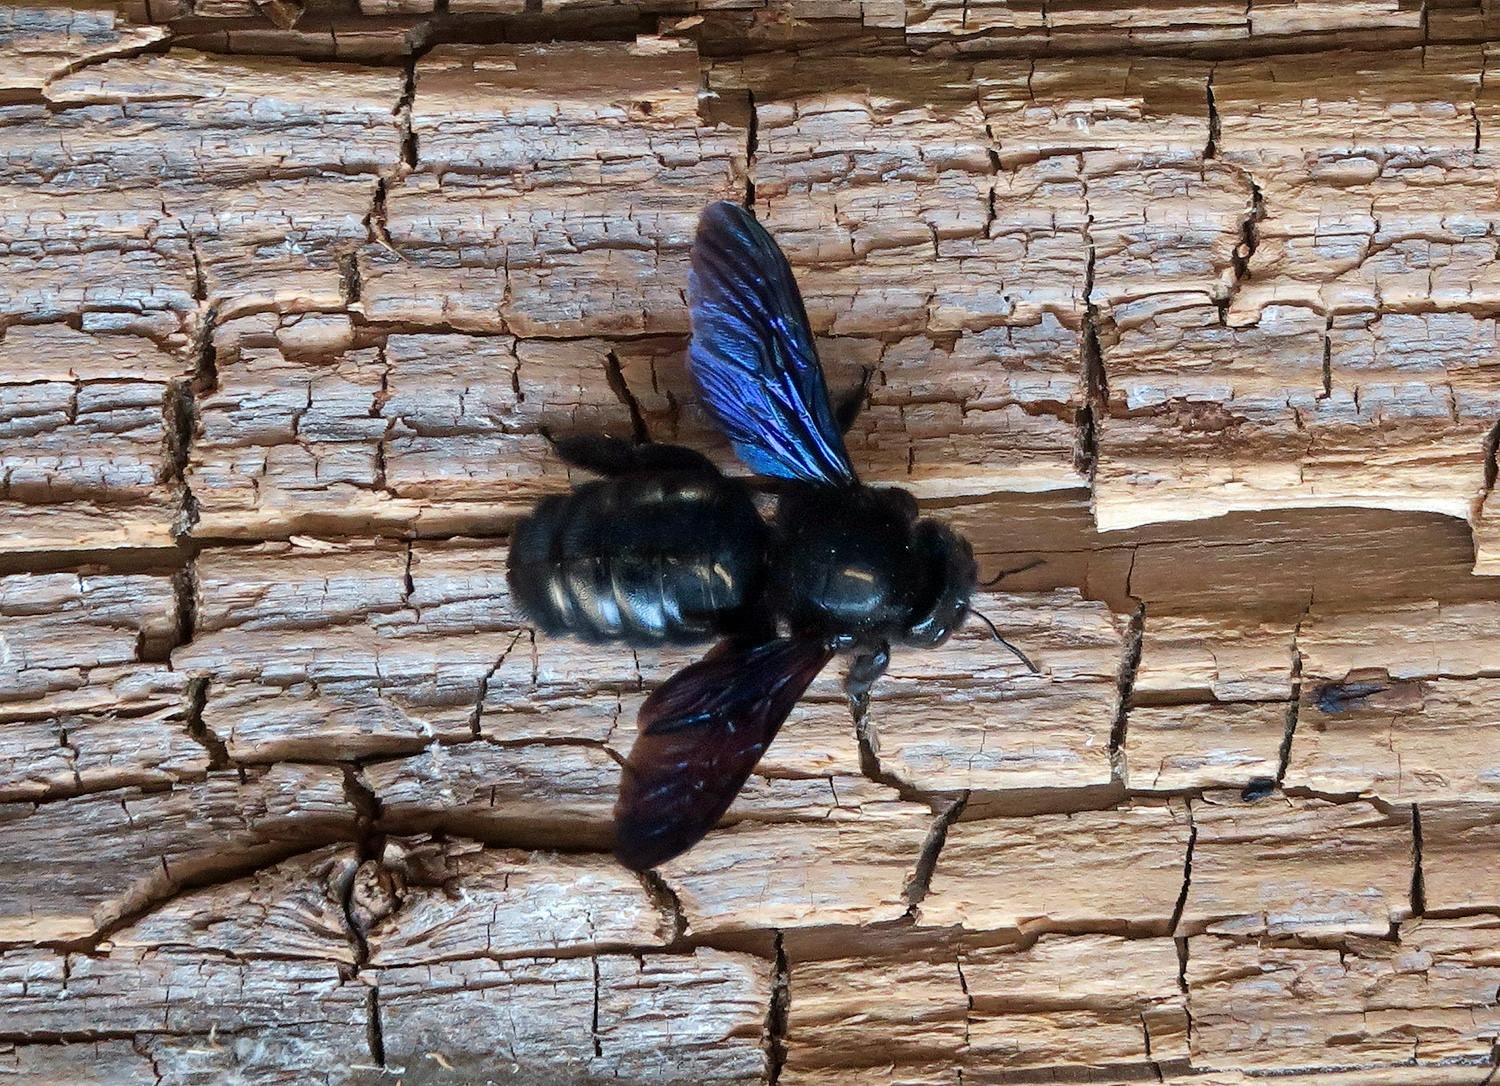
pixel 664 548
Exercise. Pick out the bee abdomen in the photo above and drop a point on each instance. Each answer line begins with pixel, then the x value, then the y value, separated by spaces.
pixel 643 560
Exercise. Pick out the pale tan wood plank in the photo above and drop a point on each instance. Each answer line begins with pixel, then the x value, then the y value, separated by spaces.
pixel 1208 658
pixel 1229 744
pixel 1305 867
pixel 968 715
pixel 661 1018
pixel 72 867
pixel 42 41
pixel 314 652
pixel 1043 873
pixel 573 220
pixel 87 701
pixel 1347 234
pixel 852 865
pixel 1457 841
pixel 1428 999
pixel 1053 1007
pixel 276 169
pixel 318 426
pixel 532 903
pixel 1211 701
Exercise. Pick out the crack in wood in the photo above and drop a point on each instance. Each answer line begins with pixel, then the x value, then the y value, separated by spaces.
pixel 902 938
pixel 1091 361
pixel 1125 678
pixel 777 1014
pixel 920 882
pixel 1294 705
pixel 1249 242
pixel 197 699
pixel 752 146
pixel 666 900
pixel 376 1032
pixel 1187 876
pixel 1418 885
pixel 1211 149
pixel 594 1025
pixel 1183 949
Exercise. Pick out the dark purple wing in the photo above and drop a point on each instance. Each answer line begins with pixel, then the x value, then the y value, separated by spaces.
pixel 753 355
pixel 701 733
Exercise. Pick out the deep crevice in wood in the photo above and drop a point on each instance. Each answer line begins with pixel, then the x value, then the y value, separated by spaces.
pixel 375 1030
pixel 409 149
pixel 752 145
pixel 920 882
pixel 179 414
pixel 1187 874
pixel 89 1036
pixel 1327 357
pixel 1293 708
pixel 666 899
pixel 369 820
pixel 218 752
pixel 777 1014
pixel 350 283
pixel 1418 885
pixel 1183 949
pixel 1029 802
pixel 594 1026
pixel 217 874
pixel 1130 663
pixel 1091 360
pixel 1211 149
pixel 185 588
pixel 1249 242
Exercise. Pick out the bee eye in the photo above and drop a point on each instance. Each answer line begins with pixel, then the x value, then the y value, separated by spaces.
pixel 948 576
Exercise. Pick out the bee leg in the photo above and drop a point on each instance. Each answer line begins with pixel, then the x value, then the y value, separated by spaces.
pixel 611 456
pixel 864 670
pixel 849 407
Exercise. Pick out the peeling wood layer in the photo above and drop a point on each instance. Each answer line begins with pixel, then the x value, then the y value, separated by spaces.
pixel 390 28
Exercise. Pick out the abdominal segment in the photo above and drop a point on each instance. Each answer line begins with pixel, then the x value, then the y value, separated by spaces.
pixel 643 560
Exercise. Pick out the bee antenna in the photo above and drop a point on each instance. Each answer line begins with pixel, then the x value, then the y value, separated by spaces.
pixel 996 633
pixel 1004 573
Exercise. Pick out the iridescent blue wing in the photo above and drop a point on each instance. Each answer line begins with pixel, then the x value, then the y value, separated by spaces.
pixel 701 733
pixel 753 355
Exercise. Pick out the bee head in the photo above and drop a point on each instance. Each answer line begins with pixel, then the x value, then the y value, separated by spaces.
pixel 947 574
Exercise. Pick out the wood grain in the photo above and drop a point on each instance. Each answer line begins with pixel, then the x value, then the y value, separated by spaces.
pixel 1182 312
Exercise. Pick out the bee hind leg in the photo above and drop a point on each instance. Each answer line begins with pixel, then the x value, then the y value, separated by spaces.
pixel 611 456
pixel 864 669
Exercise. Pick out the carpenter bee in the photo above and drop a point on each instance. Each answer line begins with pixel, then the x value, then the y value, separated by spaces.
pixel 666 549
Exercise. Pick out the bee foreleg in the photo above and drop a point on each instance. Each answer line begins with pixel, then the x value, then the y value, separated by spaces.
pixel 864 669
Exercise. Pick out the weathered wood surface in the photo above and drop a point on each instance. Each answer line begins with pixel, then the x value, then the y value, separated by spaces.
pixel 1186 308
